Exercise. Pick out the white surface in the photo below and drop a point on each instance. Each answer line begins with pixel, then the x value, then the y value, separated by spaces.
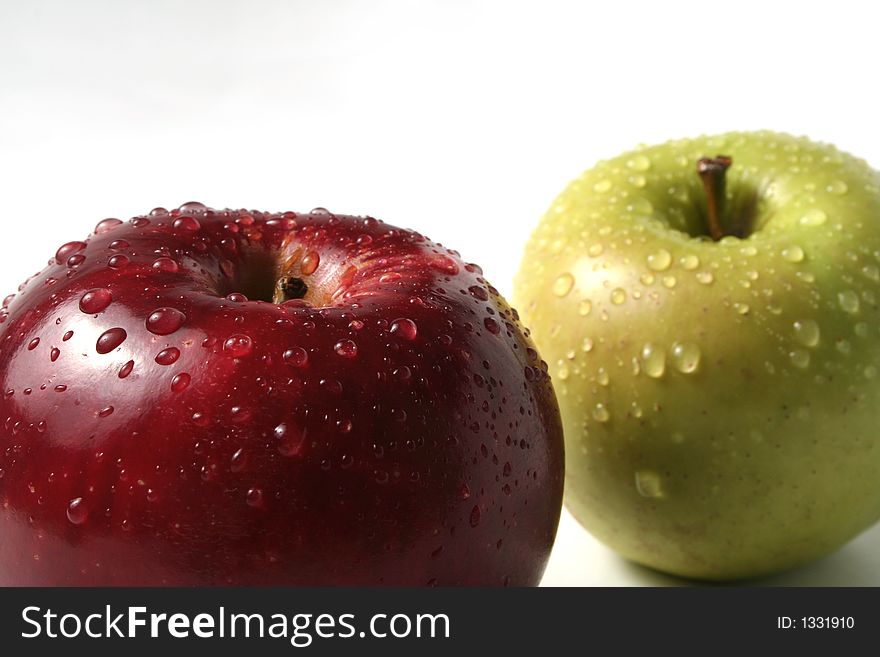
pixel 461 119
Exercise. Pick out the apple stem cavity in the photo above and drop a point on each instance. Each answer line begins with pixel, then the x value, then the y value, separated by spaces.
pixel 289 288
pixel 712 171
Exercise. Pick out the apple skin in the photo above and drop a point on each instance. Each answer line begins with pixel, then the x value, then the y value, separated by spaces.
pixel 720 400
pixel 400 432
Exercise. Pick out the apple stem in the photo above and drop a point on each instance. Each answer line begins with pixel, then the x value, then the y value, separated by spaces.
pixel 288 288
pixel 712 172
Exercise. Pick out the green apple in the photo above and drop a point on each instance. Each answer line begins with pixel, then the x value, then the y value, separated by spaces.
pixel 713 337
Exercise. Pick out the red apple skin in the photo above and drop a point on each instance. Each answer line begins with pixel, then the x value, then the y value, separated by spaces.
pixel 418 442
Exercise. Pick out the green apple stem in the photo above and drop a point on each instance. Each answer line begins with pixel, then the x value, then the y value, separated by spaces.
pixel 288 288
pixel 712 172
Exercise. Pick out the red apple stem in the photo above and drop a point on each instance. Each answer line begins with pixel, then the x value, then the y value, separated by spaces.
pixel 712 171
pixel 288 288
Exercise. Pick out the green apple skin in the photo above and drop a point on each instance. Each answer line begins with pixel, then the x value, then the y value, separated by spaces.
pixel 720 400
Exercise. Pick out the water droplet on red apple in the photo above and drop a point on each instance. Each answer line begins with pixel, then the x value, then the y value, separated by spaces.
pixel 95 301
pixel 254 497
pixel 444 264
pixel 236 297
pixel 106 226
pixel 67 250
pixel 61 388
pixel 475 516
pixel 479 292
pixel 346 348
pixel 77 512
pixel 168 356
pixel 492 326
pixel 119 261
pixel 320 211
pixel 193 206
pixel 298 357
pixel 54 354
pixel 166 265
pixel 126 369
pixel 180 382
pixel 119 245
pixel 390 277
pixel 165 321
pixel 201 419
pixel 158 212
pixel 404 328
pixel 76 260
pixel 310 263
pixel 106 411
pixel 110 339
pixel 187 223
pixel 238 346
pixel 238 461
pixel 240 414
pixel 33 344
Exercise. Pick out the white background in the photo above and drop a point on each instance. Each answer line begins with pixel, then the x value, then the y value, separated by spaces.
pixel 460 119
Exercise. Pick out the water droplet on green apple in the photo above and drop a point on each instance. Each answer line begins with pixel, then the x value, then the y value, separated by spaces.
pixel 837 187
pixel 793 253
pixel 618 296
pixel 653 360
pixel 600 413
pixel 647 279
pixel 849 301
pixel 872 272
pixel 705 277
pixel 584 307
pixel 870 372
pixel 843 346
pixel 685 357
pixel 602 376
pixel 741 308
pixel 806 331
pixel 800 358
pixel 587 345
pixel 814 217
pixel 861 329
pixel 649 484
pixel 669 281
pixel 596 250
pixel 689 262
pixel 602 186
pixel 562 372
pixel 563 284
pixel 639 163
pixel 660 260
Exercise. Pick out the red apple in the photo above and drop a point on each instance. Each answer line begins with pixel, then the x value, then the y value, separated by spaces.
pixel 202 397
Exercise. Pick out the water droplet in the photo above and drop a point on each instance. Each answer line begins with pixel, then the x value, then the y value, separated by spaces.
pixel 238 346
pixel 587 345
pixel 814 217
pixel 685 357
pixel 602 376
pixel 849 301
pixel 119 244
pixel 618 296
pixel 106 411
pixel 861 329
pixel 705 277
pixel 475 516
pixel 647 278
pixel 126 369
pixel 66 250
pixel 290 439
pixel 479 292
pixel 33 344
pixel 192 206
pixel 837 187
pixel 639 163
pixel 806 331
pixel 77 512
pixel 653 360
pixel 669 281
pixel 168 356
pixel 870 372
pixel 187 223
pixel 54 354
pixel 240 414
pixel 800 358
pixel 602 186
pixel 660 260
pixel 298 357
pixel 238 461
pixel 166 264
pixel 741 308
pixel 492 326
pixel 404 329
pixel 106 225
pixel 110 339
pixel 649 484
pixel 76 260
pixel 749 250
pixel 61 388
pixel 600 413
pixel 180 382
pixel 563 284
pixel 310 263
pixel 689 262
pixel 119 261
pixel 254 498
pixel 872 272
pixel 165 321
pixel 94 301
pixel 793 253
pixel 346 348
